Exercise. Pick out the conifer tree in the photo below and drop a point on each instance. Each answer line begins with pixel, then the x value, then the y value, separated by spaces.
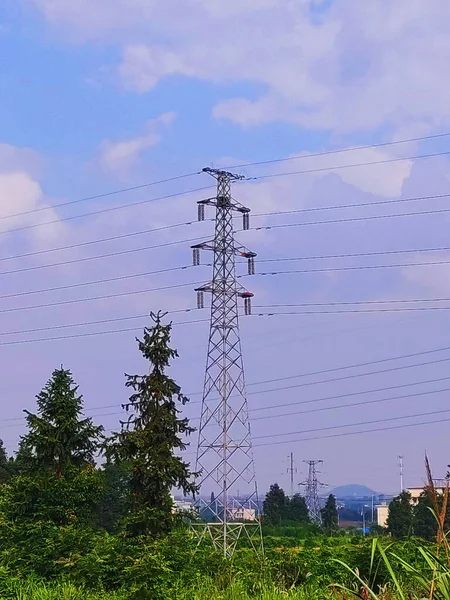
pixel 56 482
pixel 297 509
pixel 330 518
pixel 58 438
pixel 275 505
pixel 152 435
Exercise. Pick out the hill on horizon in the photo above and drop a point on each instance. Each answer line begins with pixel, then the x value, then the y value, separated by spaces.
pixel 353 490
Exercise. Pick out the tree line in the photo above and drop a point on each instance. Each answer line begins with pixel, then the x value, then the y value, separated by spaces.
pixel 279 508
pixel 406 519
pixel 56 502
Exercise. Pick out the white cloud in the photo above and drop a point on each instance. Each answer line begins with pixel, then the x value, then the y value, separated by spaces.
pixel 21 194
pixel 118 157
pixel 350 67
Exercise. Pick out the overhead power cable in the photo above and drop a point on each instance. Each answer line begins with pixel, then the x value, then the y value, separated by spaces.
pixel 353 219
pixel 98 257
pixel 356 311
pixel 357 205
pixel 354 165
pixel 94 282
pixel 297 403
pixel 94 298
pixel 88 334
pixel 361 403
pixel 175 225
pixel 352 376
pixel 358 424
pixel 356 268
pixel 105 210
pixel 356 254
pixel 88 323
pixel 341 150
pixel 130 317
pixel 353 302
pixel 98 196
pixel 366 431
pixel 98 241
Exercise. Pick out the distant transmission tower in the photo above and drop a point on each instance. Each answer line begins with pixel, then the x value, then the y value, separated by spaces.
pixel 291 471
pixel 312 491
pixel 224 454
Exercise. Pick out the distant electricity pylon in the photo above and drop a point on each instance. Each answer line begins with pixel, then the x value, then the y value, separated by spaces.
pixel 312 491
pixel 291 471
pixel 224 454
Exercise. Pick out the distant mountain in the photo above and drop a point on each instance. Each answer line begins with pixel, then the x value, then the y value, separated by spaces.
pixel 353 491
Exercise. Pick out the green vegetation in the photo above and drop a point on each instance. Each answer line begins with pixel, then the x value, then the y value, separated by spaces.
pixel 73 530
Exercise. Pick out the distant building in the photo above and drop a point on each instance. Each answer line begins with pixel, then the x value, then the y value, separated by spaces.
pixel 182 505
pixel 242 514
pixel 383 509
pixel 382 515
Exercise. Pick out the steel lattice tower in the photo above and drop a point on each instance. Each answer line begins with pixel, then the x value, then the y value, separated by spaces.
pixel 224 454
pixel 312 491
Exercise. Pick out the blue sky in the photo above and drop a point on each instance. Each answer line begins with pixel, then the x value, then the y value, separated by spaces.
pixel 100 97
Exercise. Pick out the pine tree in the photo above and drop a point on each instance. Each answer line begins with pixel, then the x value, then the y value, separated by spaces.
pixel 400 518
pixel 330 519
pixel 275 505
pixel 56 483
pixel 152 435
pixel 58 437
pixel 297 509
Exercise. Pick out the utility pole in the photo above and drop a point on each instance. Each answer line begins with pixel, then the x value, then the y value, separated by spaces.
pixel 291 471
pixel 224 453
pixel 312 491
pixel 401 473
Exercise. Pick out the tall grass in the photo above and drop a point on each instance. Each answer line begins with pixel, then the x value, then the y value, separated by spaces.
pixel 431 581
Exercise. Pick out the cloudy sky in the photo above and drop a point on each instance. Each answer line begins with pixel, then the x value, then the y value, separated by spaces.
pixel 113 94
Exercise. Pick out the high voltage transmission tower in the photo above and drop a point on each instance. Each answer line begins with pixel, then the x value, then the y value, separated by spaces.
pixel 312 491
pixel 224 454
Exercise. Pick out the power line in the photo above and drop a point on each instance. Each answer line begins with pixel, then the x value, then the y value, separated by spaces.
pixel 372 422
pixel 357 365
pixel 354 433
pixel 97 257
pixel 309 411
pixel 125 318
pixel 339 167
pixel 355 404
pixel 94 282
pixel 340 151
pixel 88 334
pixel 86 323
pixel 358 268
pixel 357 205
pixel 347 377
pixel 96 241
pixel 104 210
pixel 358 254
pixel 94 298
pixel 354 302
pixel 99 196
pixel 361 311
pixel 354 219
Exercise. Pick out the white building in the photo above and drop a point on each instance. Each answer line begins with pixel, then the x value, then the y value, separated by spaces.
pixel 383 509
pixel 242 514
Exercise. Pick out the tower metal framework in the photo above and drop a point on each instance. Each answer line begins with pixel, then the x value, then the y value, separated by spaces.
pixel 224 453
pixel 312 491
